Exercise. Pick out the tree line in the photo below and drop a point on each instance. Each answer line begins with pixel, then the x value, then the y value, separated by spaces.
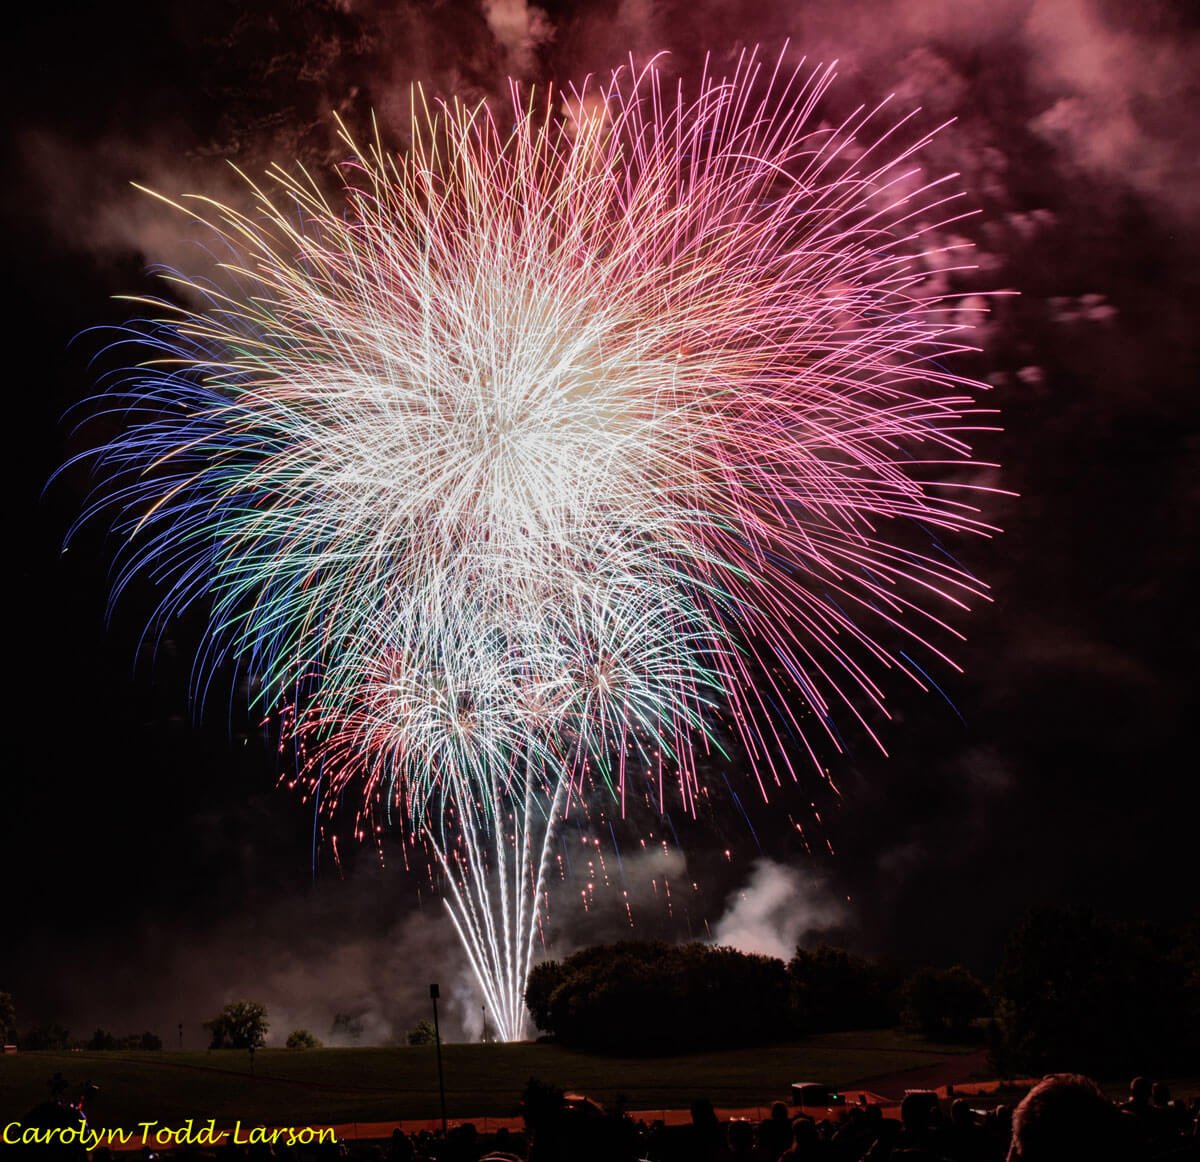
pixel 239 1025
pixel 1072 991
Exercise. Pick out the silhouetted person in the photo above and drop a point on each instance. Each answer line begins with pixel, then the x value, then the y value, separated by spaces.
pixel 402 1147
pixel 1140 1092
pixel 1065 1117
pixel 1171 1117
pixel 503 1143
pixel 806 1143
pixel 887 1136
pixel 853 1137
pixel 962 1138
pixel 918 1112
pixel 51 1115
pixel 1143 1119
pixel 461 1144
pixel 739 1138
pixel 501 1152
pixel 775 1133
pixel 704 1139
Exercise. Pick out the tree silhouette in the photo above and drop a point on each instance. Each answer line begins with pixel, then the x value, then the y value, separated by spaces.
pixel 1076 990
pixel 239 1025
pixel 834 989
pixel 647 996
pixel 942 1002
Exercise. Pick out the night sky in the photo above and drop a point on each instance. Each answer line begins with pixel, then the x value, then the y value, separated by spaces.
pixel 152 869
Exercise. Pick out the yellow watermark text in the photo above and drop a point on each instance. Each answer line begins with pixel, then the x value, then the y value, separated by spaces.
pixel 145 1134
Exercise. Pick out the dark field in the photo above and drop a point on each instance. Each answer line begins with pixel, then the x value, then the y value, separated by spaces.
pixel 291 1087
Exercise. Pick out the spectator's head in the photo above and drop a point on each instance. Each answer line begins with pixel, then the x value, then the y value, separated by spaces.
pixel 1065 1116
pixel 960 1113
pixel 916 1110
pixel 1161 1094
pixel 779 1111
pixel 740 1136
pixel 804 1133
pixel 1139 1091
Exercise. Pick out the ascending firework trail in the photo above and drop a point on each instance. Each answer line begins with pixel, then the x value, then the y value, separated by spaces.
pixel 573 443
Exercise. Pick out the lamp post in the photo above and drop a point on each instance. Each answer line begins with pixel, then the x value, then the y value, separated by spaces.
pixel 437 1040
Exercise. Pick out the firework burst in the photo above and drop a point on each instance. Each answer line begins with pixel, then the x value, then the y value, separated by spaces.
pixel 562 448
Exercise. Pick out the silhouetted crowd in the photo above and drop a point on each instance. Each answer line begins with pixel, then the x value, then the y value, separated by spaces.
pixel 1064 1118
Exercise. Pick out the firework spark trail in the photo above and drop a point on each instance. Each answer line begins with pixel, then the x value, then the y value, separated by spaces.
pixel 546 458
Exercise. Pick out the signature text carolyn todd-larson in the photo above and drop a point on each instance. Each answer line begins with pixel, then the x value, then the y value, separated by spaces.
pixel 187 1133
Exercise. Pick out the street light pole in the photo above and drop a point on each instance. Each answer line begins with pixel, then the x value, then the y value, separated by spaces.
pixel 437 1039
